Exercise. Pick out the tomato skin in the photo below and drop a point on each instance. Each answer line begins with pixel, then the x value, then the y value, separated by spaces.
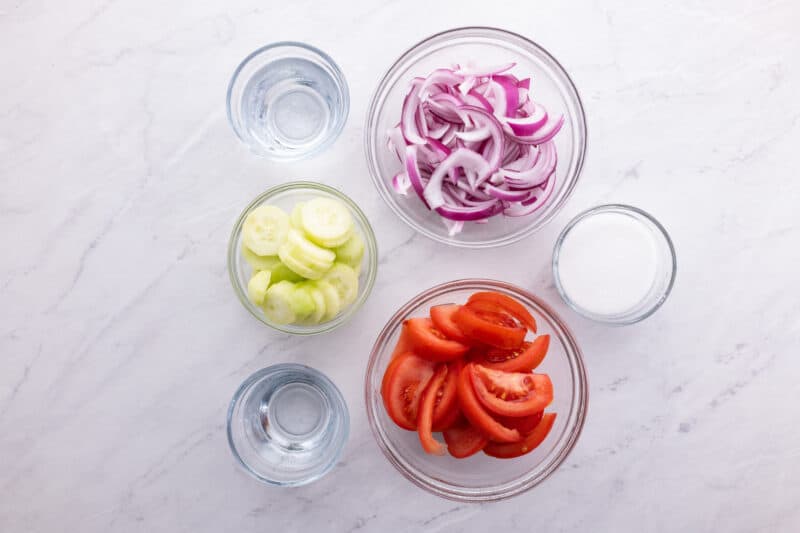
pixel 425 416
pixel 477 415
pixel 442 317
pixel 527 445
pixel 511 394
pixel 445 410
pixel 464 440
pixel 428 342
pixel 403 343
pixel 478 329
pixel 526 358
pixel 523 424
pixel 507 304
pixel 403 384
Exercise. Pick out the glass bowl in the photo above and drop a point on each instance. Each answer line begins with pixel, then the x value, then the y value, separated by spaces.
pixel 480 477
pixel 287 425
pixel 288 101
pixel 480 46
pixel 666 266
pixel 286 196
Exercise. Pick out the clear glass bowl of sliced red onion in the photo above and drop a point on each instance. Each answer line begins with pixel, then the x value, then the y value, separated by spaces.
pixel 476 137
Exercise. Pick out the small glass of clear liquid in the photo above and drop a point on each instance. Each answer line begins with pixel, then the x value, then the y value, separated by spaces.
pixel 287 425
pixel 288 101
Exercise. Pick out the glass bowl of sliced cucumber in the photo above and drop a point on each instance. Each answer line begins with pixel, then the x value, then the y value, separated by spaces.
pixel 302 258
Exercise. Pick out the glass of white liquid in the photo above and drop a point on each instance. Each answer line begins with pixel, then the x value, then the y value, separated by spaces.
pixel 614 264
pixel 287 425
pixel 288 101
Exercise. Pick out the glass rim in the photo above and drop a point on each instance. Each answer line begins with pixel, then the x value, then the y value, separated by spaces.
pixel 336 73
pixel 371 268
pixel 622 319
pixel 578 408
pixel 378 99
pixel 256 377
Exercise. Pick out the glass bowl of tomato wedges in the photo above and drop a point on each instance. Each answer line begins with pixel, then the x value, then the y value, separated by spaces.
pixel 476 390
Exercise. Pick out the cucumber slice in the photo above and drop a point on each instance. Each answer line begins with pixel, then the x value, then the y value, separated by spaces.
pixel 333 303
pixel 302 302
pixel 327 222
pixel 259 262
pixel 319 302
pixel 257 287
pixel 265 229
pixel 345 280
pixel 351 252
pixel 278 303
pixel 308 252
pixel 296 217
pixel 304 270
pixel 283 273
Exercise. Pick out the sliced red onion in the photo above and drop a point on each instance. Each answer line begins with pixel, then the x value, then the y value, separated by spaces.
pixel 528 125
pixel 474 145
pixel 461 157
pixel 401 183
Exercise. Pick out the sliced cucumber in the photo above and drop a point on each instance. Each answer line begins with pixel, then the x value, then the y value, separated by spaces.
pixel 351 252
pixel 333 303
pixel 308 252
pixel 327 222
pixel 278 306
pixel 302 302
pixel 306 271
pixel 259 262
pixel 282 272
pixel 296 216
pixel 319 302
pixel 345 280
pixel 265 229
pixel 257 287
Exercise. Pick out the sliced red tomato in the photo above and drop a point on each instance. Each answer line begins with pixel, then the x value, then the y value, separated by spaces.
pixel 523 424
pixel 507 304
pixel 425 415
pixel 511 393
pixel 445 411
pixel 430 343
pixel 483 329
pixel 523 359
pixel 403 343
pixel 477 415
pixel 464 440
pixel 492 314
pixel 528 444
pixel 442 317
pixel 403 383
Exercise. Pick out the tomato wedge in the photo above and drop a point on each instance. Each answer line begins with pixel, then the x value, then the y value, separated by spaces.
pixel 528 444
pixel 484 330
pixel 477 415
pixel 403 343
pixel 403 383
pixel 507 304
pixel 464 440
pixel 511 393
pixel 445 410
pixel 523 359
pixel 523 424
pixel 425 416
pixel 430 343
pixel 442 317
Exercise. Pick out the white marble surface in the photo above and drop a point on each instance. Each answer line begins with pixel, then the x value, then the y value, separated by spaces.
pixel 121 341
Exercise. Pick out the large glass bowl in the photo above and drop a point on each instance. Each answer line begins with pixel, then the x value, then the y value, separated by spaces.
pixel 551 86
pixel 480 477
pixel 286 196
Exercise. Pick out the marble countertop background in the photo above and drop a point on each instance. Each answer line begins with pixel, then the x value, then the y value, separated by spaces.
pixel 121 341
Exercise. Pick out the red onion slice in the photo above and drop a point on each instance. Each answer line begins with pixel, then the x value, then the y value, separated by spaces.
pixel 466 159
